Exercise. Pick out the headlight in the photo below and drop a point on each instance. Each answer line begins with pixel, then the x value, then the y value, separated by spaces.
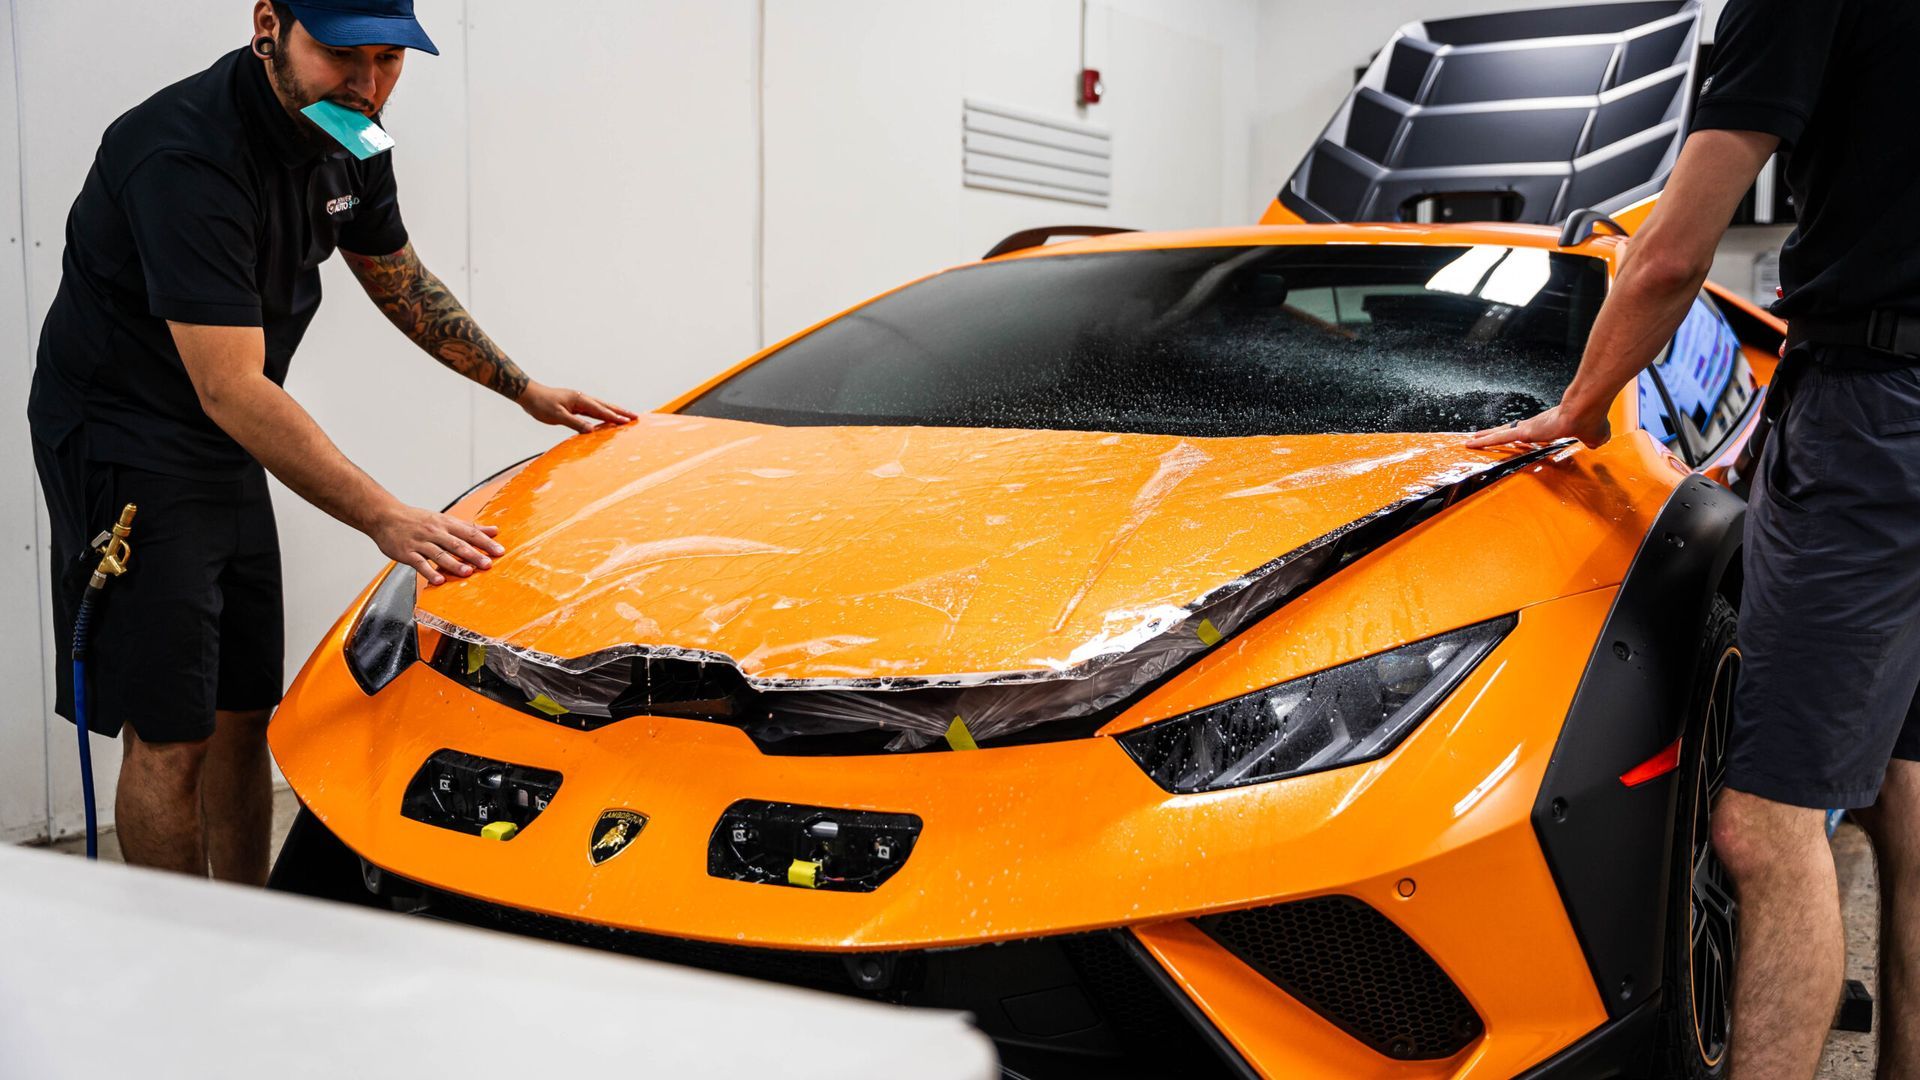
pixel 384 640
pixel 1352 713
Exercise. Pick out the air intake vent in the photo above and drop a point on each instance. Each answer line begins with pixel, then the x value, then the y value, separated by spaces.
pixel 1352 965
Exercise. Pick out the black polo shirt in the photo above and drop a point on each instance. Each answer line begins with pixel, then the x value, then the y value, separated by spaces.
pixel 1837 82
pixel 206 204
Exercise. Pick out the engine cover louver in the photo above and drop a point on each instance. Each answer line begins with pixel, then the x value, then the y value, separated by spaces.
pixel 1523 116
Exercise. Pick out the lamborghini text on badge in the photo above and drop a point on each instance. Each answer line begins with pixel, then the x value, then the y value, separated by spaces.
pixel 613 832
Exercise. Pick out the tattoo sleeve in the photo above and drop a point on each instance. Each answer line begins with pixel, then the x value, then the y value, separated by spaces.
pixel 424 309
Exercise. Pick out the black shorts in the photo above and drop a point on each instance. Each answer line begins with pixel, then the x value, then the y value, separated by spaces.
pixel 1830 615
pixel 195 624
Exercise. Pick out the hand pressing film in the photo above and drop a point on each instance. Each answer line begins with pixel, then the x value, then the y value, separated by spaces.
pixel 571 408
pixel 1554 425
pixel 436 544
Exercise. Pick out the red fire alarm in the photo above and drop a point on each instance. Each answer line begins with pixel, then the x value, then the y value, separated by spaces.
pixel 1090 86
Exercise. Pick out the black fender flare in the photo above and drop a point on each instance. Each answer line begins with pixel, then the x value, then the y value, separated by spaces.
pixel 1609 846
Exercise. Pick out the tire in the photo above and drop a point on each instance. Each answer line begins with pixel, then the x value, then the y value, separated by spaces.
pixel 313 862
pixel 1703 920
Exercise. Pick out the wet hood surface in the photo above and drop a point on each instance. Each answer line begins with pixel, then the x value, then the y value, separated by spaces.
pixel 828 554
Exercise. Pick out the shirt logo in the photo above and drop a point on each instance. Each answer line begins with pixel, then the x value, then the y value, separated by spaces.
pixel 343 203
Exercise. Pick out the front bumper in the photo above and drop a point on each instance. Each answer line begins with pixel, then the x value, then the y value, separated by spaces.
pixel 1051 841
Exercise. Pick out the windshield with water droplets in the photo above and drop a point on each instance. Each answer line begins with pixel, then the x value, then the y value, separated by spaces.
pixel 1210 341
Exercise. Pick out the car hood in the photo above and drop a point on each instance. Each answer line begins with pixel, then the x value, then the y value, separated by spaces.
pixel 860 556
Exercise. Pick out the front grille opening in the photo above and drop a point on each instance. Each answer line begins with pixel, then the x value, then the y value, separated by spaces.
pixel 477 795
pixel 646 686
pixel 1353 966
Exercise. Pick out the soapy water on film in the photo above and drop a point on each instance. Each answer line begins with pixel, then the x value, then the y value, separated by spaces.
pixel 1139 648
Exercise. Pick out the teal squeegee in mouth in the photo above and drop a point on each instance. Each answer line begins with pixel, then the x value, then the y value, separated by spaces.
pixel 350 128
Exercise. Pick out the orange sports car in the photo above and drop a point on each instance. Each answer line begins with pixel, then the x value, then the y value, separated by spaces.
pixel 1114 638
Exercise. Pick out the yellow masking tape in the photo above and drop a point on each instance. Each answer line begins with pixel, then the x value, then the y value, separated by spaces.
pixel 476 657
pixel 804 874
pixel 547 705
pixel 500 830
pixel 1209 634
pixel 959 737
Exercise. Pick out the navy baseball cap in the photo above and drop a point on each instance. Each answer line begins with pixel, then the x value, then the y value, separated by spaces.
pixel 343 23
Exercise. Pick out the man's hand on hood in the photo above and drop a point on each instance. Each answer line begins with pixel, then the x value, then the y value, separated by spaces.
pixel 1551 426
pixel 571 408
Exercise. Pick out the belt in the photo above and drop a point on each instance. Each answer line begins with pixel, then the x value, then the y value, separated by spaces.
pixel 1894 333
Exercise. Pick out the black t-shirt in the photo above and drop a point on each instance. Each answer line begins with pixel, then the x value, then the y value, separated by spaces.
pixel 1837 81
pixel 206 204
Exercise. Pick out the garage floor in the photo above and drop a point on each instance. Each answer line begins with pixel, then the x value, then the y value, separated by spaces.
pixel 1849 1056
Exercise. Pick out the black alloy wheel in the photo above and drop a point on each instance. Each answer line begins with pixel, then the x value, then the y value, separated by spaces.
pixel 1704 926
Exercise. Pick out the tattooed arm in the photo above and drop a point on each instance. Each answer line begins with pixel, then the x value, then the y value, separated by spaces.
pixel 423 308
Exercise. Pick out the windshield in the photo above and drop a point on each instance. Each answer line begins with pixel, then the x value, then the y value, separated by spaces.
pixel 1214 341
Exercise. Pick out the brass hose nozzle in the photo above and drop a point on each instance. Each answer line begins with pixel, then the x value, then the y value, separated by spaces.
pixel 114 549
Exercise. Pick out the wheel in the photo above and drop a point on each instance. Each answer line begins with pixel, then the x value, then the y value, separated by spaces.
pixel 1704 920
pixel 313 862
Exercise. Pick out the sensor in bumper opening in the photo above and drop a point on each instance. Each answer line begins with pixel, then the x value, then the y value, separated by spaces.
pixel 810 847
pixel 476 795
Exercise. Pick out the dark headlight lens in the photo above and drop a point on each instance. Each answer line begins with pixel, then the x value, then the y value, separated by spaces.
pixel 384 640
pixel 1341 716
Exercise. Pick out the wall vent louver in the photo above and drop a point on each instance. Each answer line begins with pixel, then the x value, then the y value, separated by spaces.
pixel 1024 153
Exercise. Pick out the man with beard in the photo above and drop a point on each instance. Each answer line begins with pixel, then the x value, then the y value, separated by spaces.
pixel 190 274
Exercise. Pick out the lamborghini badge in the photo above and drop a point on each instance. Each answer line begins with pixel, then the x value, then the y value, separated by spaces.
pixel 613 832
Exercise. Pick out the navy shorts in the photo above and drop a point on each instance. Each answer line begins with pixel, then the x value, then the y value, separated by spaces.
pixel 195 624
pixel 1830 616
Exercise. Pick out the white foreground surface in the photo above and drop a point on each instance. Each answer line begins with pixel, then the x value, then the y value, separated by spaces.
pixel 111 971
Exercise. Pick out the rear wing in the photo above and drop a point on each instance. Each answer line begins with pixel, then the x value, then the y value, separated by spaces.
pixel 1522 116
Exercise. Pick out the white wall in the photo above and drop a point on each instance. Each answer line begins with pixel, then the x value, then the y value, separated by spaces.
pixel 590 183
pixel 23 732
pixel 862 107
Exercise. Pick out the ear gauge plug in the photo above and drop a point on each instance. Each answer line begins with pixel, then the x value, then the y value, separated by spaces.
pixel 263 47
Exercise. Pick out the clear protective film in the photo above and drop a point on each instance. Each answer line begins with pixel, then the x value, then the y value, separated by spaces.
pixel 962 584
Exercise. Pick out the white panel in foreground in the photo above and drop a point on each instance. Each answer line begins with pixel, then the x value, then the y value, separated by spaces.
pixel 205 980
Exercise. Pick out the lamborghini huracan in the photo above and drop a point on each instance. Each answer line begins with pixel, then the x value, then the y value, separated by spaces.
pixel 1113 637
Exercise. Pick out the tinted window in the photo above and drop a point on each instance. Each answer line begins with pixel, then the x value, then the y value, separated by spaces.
pixel 1653 410
pixel 1197 341
pixel 1707 377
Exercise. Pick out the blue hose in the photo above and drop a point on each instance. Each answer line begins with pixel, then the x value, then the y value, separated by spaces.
pixel 80 621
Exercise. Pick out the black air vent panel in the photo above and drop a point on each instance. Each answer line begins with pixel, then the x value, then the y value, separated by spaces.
pixel 1353 966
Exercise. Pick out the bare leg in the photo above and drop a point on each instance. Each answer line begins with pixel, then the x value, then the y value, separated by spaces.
pixel 1893 823
pixel 1792 950
pixel 236 797
pixel 157 808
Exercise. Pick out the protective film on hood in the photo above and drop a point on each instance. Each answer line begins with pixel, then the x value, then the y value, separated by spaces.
pixel 938 583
